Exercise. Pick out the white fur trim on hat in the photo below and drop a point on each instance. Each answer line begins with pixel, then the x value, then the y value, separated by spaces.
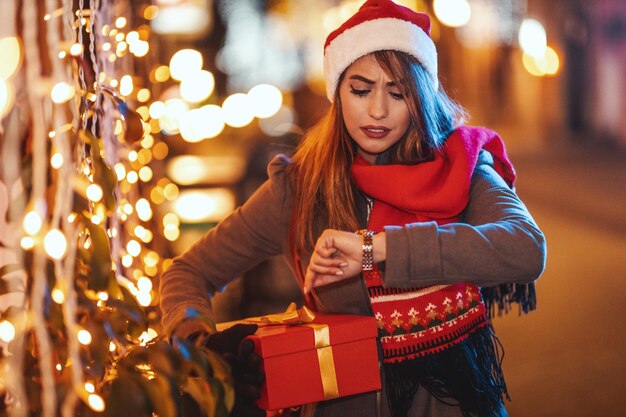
pixel 377 35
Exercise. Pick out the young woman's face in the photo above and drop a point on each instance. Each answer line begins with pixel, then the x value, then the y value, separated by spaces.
pixel 373 107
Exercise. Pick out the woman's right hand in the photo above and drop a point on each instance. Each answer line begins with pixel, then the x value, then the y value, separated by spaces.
pixel 337 256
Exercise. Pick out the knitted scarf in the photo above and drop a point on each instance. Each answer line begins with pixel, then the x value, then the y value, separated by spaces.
pixel 437 337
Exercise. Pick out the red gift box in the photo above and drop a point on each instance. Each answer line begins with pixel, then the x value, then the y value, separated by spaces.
pixel 335 355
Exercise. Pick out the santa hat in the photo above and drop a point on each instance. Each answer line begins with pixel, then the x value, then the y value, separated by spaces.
pixel 378 25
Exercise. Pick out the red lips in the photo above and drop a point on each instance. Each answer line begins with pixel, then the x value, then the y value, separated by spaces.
pixel 376 132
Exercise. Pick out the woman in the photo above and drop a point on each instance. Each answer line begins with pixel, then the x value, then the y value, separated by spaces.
pixel 436 218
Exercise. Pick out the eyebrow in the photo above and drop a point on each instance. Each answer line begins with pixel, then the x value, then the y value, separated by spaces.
pixel 368 81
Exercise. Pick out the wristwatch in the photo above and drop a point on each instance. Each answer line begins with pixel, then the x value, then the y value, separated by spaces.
pixel 367 247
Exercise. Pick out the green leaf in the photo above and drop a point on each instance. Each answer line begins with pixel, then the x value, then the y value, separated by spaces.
pixel 103 174
pixel 200 391
pixel 222 373
pixel 100 257
pixel 160 393
pixel 125 397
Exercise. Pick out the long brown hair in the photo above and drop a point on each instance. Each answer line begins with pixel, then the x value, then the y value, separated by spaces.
pixel 323 187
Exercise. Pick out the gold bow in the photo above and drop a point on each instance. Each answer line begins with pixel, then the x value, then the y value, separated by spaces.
pixel 289 317
pixel 304 316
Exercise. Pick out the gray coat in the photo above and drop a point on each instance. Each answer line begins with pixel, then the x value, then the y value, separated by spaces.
pixel 496 242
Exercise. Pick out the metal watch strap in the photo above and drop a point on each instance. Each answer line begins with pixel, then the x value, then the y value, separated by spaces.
pixel 367 246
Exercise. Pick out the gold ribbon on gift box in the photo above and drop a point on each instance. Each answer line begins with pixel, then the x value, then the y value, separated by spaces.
pixel 304 317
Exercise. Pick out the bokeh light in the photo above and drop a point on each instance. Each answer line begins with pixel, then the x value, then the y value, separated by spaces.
pixel 237 110
pixel 453 13
pixel 184 63
pixel 265 100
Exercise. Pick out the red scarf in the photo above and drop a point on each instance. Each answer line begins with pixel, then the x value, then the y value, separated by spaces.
pixel 424 322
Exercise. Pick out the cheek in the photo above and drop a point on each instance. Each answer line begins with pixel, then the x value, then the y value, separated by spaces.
pixel 349 112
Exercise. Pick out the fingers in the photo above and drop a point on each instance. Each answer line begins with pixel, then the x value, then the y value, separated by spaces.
pixel 309 279
pixel 240 330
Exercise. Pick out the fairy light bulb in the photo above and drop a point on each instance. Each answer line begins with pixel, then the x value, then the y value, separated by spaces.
pixel 132 177
pixel 96 403
pixel 76 49
pixel 126 85
pixel 144 284
pixel 144 298
pixel 55 244
pixel 112 347
pixel 62 92
pixel 144 211
pixel 11 56
pixel 94 193
pixel 84 337
pixel 120 171
pixel 58 296
pixel 133 248
pixel 56 161
pixel 120 22
pixel 127 261
pixel 32 223
pixel 7 331
pixel 27 243
pixel 89 387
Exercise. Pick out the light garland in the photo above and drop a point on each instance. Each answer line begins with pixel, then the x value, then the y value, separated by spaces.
pixel 91 211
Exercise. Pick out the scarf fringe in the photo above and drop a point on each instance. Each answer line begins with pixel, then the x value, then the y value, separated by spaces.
pixel 468 375
pixel 500 298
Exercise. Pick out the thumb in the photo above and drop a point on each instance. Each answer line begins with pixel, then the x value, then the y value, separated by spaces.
pixel 309 278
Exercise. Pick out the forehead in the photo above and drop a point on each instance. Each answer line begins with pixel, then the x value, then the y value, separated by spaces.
pixel 368 67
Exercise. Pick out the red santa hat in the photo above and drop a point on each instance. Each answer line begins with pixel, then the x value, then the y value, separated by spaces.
pixel 378 25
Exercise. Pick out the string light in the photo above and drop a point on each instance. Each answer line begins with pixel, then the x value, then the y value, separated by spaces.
pixel 144 284
pixel 76 49
pixel 132 177
pixel 27 243
pixel 120 171
pixel 84 337
pixel 144 299
pixel 94 192
pixel 96 402
pixel 55 244
pixel 58 296
pixel 7 331
pixel 144 211
pixel 56 161
pixel 62 92
pixel 133 248
pixel 11 56
pixel 120 22
pixel 32 223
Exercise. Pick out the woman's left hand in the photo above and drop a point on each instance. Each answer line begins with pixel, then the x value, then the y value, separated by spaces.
pixel 337 256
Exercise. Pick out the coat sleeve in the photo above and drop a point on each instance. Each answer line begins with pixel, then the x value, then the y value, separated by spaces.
pixel 252 233
pixel 496 242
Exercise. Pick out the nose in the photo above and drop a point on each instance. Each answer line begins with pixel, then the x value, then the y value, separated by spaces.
pixel 377 108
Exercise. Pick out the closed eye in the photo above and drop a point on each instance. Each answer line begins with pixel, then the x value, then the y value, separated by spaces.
pixel 396 96
pixel 360 93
